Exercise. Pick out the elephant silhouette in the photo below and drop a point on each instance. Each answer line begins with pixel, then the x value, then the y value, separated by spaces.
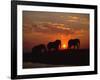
pixel 74 42
pixel 37 52
pixel 54 45
pixel 39 49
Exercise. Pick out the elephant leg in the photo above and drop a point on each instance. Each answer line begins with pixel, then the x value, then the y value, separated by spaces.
pixel 68 47
pixel 77 46
pixel 74 46
pixel 49 49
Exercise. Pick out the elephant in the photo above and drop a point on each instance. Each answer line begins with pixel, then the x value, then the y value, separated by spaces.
pixel 54 45
pixel 39 49
pixel 74 42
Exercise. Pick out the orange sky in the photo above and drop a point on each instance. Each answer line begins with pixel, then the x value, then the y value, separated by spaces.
pixel 44 27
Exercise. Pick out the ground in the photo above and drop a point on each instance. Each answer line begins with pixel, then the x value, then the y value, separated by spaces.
pixel 58 58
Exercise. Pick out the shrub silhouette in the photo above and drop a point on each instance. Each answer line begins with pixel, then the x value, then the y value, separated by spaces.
pixel 74 42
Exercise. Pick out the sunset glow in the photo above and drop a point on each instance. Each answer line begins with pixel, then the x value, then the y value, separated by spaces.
pixel 44 27
pixel 64 46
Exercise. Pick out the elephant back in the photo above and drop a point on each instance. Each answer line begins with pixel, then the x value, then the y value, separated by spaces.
pixel 39 48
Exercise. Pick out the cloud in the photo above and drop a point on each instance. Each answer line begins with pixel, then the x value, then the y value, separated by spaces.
pixel 50 28
pixel 80 33
pixel 74 17
pixel 77 19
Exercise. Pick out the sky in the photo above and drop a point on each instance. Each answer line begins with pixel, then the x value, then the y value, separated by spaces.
pixel 43 27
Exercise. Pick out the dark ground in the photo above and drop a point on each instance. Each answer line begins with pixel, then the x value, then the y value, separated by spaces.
pixel 56 58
